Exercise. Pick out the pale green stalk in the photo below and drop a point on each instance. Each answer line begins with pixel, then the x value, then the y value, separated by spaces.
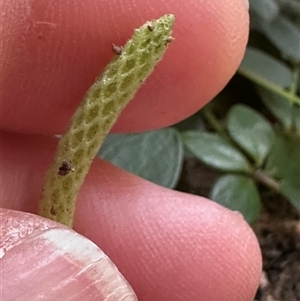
pixel 96 115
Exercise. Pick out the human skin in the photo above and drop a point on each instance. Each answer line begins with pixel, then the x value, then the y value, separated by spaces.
pixel 168 245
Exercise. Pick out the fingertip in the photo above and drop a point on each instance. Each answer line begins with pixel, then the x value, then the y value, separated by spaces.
pixel 53 54
pixel 164 242
pixel 58 262
pixel 178 244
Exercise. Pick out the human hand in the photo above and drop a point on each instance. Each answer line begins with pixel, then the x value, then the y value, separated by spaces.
pixel 169 245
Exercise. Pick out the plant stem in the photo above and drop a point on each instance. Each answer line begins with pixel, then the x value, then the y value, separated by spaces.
pixel 265 179
pixel 214 122
pixel 99 110
pixel 278 90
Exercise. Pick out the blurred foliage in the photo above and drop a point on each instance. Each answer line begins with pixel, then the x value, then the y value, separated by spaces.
pixel 250 131
pixel 156 156
pixel 257 121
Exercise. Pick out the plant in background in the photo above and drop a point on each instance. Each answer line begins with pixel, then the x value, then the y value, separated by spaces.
pixel 156 155
pixel 248 147
pixel 250 150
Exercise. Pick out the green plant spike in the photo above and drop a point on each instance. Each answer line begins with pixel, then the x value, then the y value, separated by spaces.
pixel 99 110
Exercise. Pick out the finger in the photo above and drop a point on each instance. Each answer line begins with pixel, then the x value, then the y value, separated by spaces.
pixel 59 262
pixel 52 52
pixel 167 244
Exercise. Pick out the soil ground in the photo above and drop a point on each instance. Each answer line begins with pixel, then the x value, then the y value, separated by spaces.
pixel 277 230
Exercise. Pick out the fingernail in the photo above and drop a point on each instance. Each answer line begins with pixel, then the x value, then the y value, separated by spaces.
pixel 60 264
pixel 247 4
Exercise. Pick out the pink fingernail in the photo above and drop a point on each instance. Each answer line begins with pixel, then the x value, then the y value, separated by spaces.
pixel 60 264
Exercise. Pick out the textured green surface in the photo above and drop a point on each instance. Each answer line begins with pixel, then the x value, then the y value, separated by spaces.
pixel 98 112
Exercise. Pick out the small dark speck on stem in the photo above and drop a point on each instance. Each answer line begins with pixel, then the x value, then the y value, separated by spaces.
pixel 150 27
pixel 116 49
pixel 53 211
pixel 65 168
pixel 169 39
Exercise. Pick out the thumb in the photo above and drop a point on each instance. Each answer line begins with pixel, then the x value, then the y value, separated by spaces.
pixel 42 260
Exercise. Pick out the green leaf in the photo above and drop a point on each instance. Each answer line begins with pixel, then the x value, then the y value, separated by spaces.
pixel 194 122
pixel 266 10
pixel 284 164
pixel 238 193
pixel 296 123
pixel 278 105
pixel 215 151
pixel 284 35
pixel 264 68
pixel 251 131
pixel 156 156
pixel 290 8
pixel 283 161
pixel 291 189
